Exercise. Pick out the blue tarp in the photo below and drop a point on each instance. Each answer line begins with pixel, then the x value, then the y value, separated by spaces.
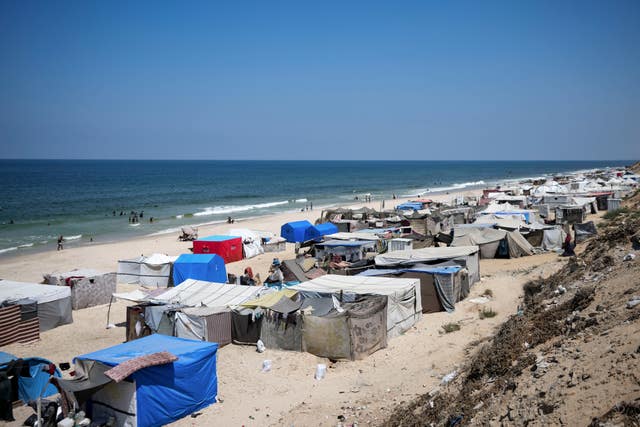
pixel 207 267
pixel 29 388
pixel 432 270
pixel 326 228
pixel 410 205
pixel 299 231
pixel 166 393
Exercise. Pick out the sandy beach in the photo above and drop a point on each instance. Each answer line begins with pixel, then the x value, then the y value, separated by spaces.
pixel 365 390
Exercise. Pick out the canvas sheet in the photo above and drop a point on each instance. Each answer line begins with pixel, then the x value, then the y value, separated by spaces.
pixel 404 306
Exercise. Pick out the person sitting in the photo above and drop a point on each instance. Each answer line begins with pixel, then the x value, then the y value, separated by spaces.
pixel 275 273
pixel 247 278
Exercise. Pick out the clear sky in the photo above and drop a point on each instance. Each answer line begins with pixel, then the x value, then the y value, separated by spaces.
pixel 320 80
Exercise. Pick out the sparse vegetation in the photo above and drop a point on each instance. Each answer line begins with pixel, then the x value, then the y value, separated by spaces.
pixel 487 312
pixel 611 215
pixel 487 293
pixel 450 327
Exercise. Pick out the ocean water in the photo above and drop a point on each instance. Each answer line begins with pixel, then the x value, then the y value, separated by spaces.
pixel 41 199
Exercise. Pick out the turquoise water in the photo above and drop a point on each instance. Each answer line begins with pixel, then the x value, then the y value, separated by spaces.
pixel 77 198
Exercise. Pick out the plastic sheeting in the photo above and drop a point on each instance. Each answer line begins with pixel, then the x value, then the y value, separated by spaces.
pixel 404 306
pixel 251 241
pixel 209 267
pixel 151 271
pixel 31 385
pixel 299 231
pixel 553 239
pixel 88 287
pixel 54 302
pixel 353 333
pixel 166 393
pixel 467 256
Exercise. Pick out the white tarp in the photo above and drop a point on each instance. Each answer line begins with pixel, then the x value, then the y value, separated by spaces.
pixel 404 305
pixel 553 239
pixel 154 270
pixel 13 291
pixel 251 241
pixel 352 236
pixel 469 254
pixel 54 302
pixel 195 293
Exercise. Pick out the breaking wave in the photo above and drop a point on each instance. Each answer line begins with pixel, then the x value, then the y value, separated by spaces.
pixel 459 186
pixel 222 210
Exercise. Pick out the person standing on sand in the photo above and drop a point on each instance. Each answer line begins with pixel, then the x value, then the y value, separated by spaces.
pixel 60 240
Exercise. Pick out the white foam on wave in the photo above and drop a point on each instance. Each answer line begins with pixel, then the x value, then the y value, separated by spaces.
pixel 26 245
pixel 458 186
pixel 76 237
pixel 2 251
pixel 301 200
pixel 179 216
pixel 222 210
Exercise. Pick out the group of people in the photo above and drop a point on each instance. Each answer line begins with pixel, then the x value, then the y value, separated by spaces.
pixel 134 216
pixel 276 276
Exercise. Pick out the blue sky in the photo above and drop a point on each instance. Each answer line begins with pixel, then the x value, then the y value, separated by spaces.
pixel 320 80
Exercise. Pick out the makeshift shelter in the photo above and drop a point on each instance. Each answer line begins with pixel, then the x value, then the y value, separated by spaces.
pixel 440 287
pixel 584 231
pixel 88 287
pixel 251 242
pixel 228 247
pixel 493 242
pixel 53 303
pixel 188 234
pixel 28 376
pixel 209 268
pixel 355 331
pixel 553 239
pixel 282 323
pixel 151 271
pixel 570 214
pixel 326 228
pixel 347 250
pixel 274 244
pixel 152 381
pixel 404 307
pixel 19 322
pixel 195 309
pixel 465 256
pixel 299 232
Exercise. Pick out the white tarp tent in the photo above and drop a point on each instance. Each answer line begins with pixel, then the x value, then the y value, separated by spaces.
pixel 54 302
pixel 469 255
pixel 251 241
pixel 196 293
pixel 154 270
pixel 404 305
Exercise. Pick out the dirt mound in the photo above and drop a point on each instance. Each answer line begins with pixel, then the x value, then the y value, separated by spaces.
pixel 571 356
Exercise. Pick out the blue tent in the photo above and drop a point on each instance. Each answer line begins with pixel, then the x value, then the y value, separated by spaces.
pixel 166 393
pixel 326 228
pixel 29 387
pixel 416 206
pixel 207 267
pixel 299 231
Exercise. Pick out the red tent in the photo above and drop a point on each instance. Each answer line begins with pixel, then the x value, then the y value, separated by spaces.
pixel 228 247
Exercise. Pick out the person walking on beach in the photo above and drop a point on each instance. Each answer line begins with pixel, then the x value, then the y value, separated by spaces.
pixel 60 240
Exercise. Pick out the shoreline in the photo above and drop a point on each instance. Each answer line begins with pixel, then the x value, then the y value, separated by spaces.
pixel 106 233
pixel 103 256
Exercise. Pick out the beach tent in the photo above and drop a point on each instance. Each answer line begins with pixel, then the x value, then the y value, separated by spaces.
pixel 466 256
pixel 407 206
pixel 150 271
pixel 228 247
pixel 326 228
pixel 88 287
pixel 553 239
pixel 404 307
pixel 440 287
pixel 53 302
pixel 196 293
pixel 209 268
pixel 251 241
pixel 158 380
pixel 493 242
pixel 29 376
pixel 355 331
pixel 299 231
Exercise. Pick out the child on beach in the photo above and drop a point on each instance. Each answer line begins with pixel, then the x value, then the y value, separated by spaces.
pixel 60 240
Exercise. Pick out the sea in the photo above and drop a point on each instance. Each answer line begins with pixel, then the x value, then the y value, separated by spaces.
pixel 90 201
